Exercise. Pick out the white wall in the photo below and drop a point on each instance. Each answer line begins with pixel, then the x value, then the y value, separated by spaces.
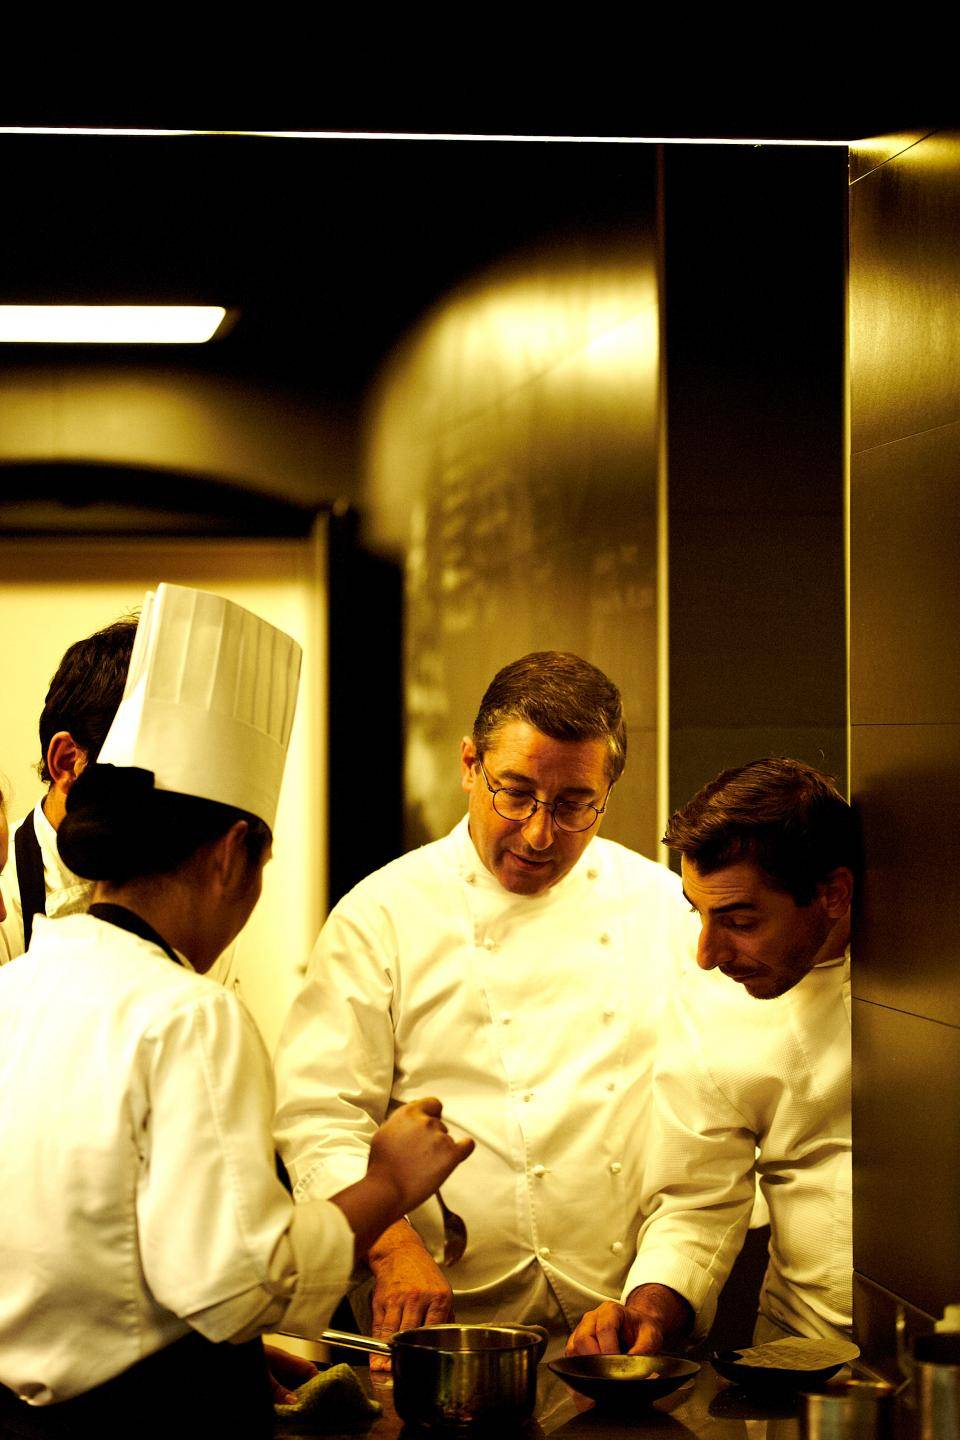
pixel 55 592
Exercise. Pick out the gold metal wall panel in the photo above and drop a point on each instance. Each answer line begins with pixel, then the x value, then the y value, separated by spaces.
pixel 905 596
pixel 905 293
pixel 754 297
pixel 868 155
pixel 906 945
pixel 906 1138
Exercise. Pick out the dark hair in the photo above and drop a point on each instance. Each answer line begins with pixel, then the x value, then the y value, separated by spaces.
pixel 559 694
pixel 86 690
pixel 118 827
pixel 782 815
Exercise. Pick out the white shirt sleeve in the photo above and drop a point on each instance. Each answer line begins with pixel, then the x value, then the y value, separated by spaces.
pixel 221 1242
pixel 340 1025
pixel 699 1176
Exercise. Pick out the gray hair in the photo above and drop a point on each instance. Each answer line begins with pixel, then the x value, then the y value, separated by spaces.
pixel 560 695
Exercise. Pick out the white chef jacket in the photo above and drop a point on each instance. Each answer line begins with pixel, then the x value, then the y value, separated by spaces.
pixel 745 1086
pixel 140 1196
pixel 533 1018
pixel 67 894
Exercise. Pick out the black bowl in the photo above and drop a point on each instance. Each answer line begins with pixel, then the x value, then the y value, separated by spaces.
pixel 624 1380
pixel 729 1364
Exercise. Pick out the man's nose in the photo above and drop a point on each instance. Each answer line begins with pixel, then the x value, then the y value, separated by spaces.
pixel 538 830
pixel 710 947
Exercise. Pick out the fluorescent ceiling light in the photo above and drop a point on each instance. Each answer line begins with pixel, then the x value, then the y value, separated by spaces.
pixel 425 135
pixel 109 324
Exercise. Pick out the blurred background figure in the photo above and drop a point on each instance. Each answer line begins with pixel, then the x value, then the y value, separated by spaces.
pixel 77 713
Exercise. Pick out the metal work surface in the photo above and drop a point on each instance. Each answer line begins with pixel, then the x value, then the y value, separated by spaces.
pixel 708 1408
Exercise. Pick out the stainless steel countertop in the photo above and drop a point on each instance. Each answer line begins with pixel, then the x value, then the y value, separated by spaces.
pixel 709 1409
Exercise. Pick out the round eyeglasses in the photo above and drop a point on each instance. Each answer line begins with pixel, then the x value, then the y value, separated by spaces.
pixel 569 815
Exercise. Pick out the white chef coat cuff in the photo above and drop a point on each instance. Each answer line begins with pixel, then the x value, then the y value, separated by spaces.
pixel 656 1266
pixel 309 1273
pixel 323 1244
pixel 319 1176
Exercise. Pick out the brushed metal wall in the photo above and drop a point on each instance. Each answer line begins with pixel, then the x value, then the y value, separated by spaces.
pixel 905 719
pixel 754 296
pixel 512 462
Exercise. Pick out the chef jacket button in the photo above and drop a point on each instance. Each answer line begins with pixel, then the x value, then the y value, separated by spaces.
pixel 615 1167
pixel 617 1247
pixel 471 879
pixel 604 938
pixel 544 1252
pixel 539 1170
pixel 528 1096
pixel 592 873
pixel 505 1019
pixel 609 1012
pixel 611 1085
pixel 489 944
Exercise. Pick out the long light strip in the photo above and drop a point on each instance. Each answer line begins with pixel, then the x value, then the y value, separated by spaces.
pixel 109 324
pixel 425 135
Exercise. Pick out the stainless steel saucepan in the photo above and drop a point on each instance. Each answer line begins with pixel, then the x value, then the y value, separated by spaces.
pixel 451 1377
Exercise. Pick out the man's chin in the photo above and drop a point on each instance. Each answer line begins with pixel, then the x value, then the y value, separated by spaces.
pixel 767 987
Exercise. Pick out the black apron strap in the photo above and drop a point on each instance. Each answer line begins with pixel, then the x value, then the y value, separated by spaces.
pixel 125 919
pixel 33 891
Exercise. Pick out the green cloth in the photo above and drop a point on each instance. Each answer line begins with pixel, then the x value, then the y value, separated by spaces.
pixel 332 1400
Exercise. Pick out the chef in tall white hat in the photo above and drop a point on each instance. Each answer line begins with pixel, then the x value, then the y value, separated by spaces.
pixel 145 1239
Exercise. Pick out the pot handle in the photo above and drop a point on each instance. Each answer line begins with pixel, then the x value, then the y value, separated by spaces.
pixel 348 1341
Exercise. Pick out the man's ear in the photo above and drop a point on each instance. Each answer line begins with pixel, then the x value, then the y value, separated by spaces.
pixel 229 857
pixel 836 892
pixel 65 760
pixel 468 761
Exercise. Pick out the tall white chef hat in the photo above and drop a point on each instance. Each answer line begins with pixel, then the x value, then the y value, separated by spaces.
pixel 209 701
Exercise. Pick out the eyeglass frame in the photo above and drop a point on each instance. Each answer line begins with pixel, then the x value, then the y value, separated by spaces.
pixel 496 790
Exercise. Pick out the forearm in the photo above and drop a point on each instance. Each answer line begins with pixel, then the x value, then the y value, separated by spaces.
pixel 374 1211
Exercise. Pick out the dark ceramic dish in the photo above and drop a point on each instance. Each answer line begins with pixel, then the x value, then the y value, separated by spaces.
pixel 624 1380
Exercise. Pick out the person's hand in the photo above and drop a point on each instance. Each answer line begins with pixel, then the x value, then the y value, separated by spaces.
pixel 286 1372
pixel 414 1152
pixel 409 1288
pixel 653 1317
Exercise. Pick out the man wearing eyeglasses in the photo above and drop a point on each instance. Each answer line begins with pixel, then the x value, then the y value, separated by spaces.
pixel 517 968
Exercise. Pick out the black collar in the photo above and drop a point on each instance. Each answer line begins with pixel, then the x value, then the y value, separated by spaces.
pixel 126 919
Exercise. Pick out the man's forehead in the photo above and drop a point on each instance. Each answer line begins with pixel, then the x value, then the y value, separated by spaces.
pixel 741 883
pixel 522 748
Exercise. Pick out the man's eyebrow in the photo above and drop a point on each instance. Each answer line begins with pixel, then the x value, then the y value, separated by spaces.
pixel 722 909
pixel 516 778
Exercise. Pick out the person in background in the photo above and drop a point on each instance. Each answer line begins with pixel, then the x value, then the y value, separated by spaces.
pixel 4 850
pixel 80 705
pixel 520 964
pixel 146 1240
pixel 753 1073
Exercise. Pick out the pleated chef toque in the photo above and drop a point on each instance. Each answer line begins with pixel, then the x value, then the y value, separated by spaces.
pixel 209 701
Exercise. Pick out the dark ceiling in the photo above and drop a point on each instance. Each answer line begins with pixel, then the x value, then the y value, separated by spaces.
pixel 329 249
